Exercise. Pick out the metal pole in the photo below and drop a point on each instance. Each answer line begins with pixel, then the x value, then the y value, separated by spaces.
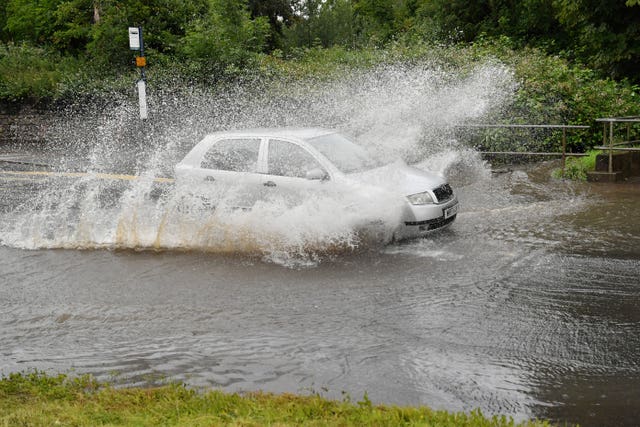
pixel 611 146
pixel 142 83
pixel 564 149
pixel 142 74
pixel 628 132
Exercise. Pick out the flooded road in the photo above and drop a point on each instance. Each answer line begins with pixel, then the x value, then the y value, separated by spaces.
pixel 526 306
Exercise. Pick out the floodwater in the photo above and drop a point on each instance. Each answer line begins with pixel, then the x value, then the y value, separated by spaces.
pixel 526 306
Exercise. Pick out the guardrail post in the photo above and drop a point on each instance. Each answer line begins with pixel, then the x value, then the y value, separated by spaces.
pixel 564 149
pixel 628 132
pixel 611 146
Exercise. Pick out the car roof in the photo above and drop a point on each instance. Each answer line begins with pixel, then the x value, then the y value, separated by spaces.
pixel 286 132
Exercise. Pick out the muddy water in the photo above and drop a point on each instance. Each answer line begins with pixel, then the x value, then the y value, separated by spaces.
pixel 527 306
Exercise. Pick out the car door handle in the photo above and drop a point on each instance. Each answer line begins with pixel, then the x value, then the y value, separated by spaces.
pixel 209 178
pixel 269 184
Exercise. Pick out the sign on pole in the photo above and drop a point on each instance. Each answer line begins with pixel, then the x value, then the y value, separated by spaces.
pixel 134 38
pixel 136 43
pixel 142 97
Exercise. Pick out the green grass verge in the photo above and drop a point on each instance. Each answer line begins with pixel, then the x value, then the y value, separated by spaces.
pixel 37 399
pixel 576 168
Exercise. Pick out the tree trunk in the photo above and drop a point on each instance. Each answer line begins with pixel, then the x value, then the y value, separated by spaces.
pixel 96 12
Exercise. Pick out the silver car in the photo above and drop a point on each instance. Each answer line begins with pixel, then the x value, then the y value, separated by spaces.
pixel 258 162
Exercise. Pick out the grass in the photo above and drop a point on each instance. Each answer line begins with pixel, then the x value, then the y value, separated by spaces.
pixel 576 168
pixel 37 399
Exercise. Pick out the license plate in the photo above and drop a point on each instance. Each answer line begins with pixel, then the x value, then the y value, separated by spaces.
pixel 451 211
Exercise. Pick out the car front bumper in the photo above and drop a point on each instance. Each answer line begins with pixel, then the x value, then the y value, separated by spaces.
pixel 419 220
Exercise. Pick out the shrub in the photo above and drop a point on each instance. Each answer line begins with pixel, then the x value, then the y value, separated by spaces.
pixel 30 73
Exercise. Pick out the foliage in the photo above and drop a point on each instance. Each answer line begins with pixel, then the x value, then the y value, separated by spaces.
pixel 40 400
pixel 55 49
pixel 550 88
pixel 98 28
pixel 227 36
pixel 279 13
pixel 573 170
pixel 603 34
pixel 322 23
pixel 554 91
pixel 29 73
pixel 576 168
pixel 43 76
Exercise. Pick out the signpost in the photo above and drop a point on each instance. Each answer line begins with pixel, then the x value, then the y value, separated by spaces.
pixel 142 98
pixel 136 42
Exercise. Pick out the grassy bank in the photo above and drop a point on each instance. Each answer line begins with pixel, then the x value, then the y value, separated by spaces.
pixel 37 399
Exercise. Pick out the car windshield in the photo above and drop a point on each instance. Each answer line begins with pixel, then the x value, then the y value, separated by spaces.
pixel 344 154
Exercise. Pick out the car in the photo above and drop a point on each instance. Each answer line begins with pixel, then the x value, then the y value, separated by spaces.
pixel 301 161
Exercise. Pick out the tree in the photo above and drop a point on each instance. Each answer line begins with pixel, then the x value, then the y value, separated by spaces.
pixel 335 24
pixel 72 22
pixel 30 21
pixel 3 21
pixel 226 36
pixel 278 12
pixel 323 23
pixel 377 17
pixel 605 34
pixel 99 27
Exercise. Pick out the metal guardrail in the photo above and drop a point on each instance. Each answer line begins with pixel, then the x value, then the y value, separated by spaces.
pixel 611 147
pixel 563 153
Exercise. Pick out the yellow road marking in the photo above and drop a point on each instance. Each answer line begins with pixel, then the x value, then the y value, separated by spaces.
pixel 81 175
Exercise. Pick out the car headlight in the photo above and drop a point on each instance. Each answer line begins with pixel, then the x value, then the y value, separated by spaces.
pixel 423 198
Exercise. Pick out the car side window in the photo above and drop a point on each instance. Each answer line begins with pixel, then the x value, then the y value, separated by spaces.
pixel 287 159
pixel 236 155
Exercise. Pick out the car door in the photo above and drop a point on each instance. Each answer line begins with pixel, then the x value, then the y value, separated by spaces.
pixel 231 168
pixel 293 172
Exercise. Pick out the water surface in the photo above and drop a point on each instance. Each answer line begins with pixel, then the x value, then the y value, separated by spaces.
pixel 526 306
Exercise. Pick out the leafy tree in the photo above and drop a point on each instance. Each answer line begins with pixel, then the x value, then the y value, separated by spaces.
pixel 323 23
pixel 164 25
pixel 456 19
pixel 3 21
pixel 303 32
pixel 278 12
pixel 99 27
pixel 377 18
pixel 31 21
pixel 73 21
pixel 605 34
pixel 336 24
pixel 226 36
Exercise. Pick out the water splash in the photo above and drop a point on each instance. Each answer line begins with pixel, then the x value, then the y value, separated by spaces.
pixel 393 111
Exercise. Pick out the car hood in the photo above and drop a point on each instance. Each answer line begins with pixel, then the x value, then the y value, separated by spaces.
pixel 400 177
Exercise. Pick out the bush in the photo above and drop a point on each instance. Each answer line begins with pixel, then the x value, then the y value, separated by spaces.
pixel 227 46
pixel 227 37
pixel 551 91
pixel 30 74
pixel 576 168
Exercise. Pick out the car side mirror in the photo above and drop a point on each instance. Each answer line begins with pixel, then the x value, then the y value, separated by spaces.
pixel 317 174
